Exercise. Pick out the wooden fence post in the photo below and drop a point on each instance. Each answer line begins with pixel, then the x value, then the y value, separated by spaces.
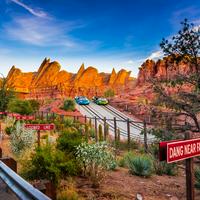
pixel 96 130
pixel 115 129
pixel 129 135
pixel 145 137
pixel 85 119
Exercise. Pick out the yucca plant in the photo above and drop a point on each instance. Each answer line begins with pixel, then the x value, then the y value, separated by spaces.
pixel 140 165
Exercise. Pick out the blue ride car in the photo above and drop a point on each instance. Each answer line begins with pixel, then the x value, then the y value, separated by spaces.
pixel 81 100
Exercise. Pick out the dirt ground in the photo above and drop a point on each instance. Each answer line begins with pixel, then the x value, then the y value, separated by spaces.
pixel 120 184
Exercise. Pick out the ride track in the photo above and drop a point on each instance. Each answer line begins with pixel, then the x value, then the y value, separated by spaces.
pixel 100 112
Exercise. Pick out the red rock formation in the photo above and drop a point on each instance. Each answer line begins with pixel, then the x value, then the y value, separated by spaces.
pixel 164 68
pixel 50 82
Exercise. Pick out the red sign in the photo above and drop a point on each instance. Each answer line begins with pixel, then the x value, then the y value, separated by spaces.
pixel 174 151
pixel 42 127
pixel 24 117
pixel 19 117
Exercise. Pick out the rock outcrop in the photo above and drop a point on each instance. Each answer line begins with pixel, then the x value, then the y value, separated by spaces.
pixel 50 81
pixel 162 69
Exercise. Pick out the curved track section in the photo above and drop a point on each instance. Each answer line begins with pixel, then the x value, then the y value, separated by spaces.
pixel 94 110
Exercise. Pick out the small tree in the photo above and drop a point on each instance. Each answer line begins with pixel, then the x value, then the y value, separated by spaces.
pixel 6 94
pixel 184 47
pixel 68 105
pixel 22 107
pixel 21 139
pixel 109 93
pixel 96 159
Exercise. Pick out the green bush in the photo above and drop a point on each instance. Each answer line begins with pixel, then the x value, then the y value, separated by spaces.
pixel 68 105
pixel 8 130
pixel 21 138
pixel 123 162
pixel 161 168
pixel 95 159
pixel 22 107
pixel 197 178
pixel 34 104
pixel 49 163
pixel 140 165
pixel 109 93
pixel 68 141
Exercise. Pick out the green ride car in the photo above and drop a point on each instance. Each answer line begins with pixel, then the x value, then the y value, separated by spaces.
pixel 100 100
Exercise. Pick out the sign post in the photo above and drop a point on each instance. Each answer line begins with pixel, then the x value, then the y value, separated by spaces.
pixel 189 171
pixel 173 151
pixel 39 127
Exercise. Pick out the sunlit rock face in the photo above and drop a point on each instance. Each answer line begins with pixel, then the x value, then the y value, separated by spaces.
pixel 52 82
pixel 165 68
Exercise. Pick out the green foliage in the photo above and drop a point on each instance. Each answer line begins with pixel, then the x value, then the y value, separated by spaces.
pixel 140 165
pixel 123 162
pixel 49 163
pixel 34 104
pixel 9 130
pixel 6 95
pixel 95 158
pixel 161 168
pixel 92 132
pixel 22 107
pixel 197 178
pixel 68 105
pixel 109 93
pixel 162 135
pixel 100 133
pixel 68 141
pixel 21 139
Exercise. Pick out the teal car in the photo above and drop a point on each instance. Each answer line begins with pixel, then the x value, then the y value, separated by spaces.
pixel 100 100
pixel 82 100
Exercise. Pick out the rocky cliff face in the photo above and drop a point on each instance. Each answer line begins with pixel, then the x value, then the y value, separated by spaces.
pixel 51 81
pixel 164 68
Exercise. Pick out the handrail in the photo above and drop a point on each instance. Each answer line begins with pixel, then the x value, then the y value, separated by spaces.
pixel 22 189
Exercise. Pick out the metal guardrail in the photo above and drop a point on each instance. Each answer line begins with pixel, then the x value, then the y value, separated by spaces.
pixel 21 188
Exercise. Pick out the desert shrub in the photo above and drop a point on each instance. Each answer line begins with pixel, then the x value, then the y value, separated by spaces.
pixel 9 121
pixel 49 163
pixel 34 104
pixel 197 178
pixel 140 165
pixel 91 132
pixel 109 93
pixel 22 107
pixel 68 105
pixel 21 138
pixel 8 130
pixel 68 122
pixel 123 161
pixel 68 141
pixel 68 192
pixel 95 159
pixel 161 168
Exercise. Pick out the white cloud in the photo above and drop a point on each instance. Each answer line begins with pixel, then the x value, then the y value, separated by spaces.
pixel 156 55
pixel 45 33
pixel 35 12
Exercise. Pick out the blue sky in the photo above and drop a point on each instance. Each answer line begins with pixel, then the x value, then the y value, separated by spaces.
pixel 100 33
